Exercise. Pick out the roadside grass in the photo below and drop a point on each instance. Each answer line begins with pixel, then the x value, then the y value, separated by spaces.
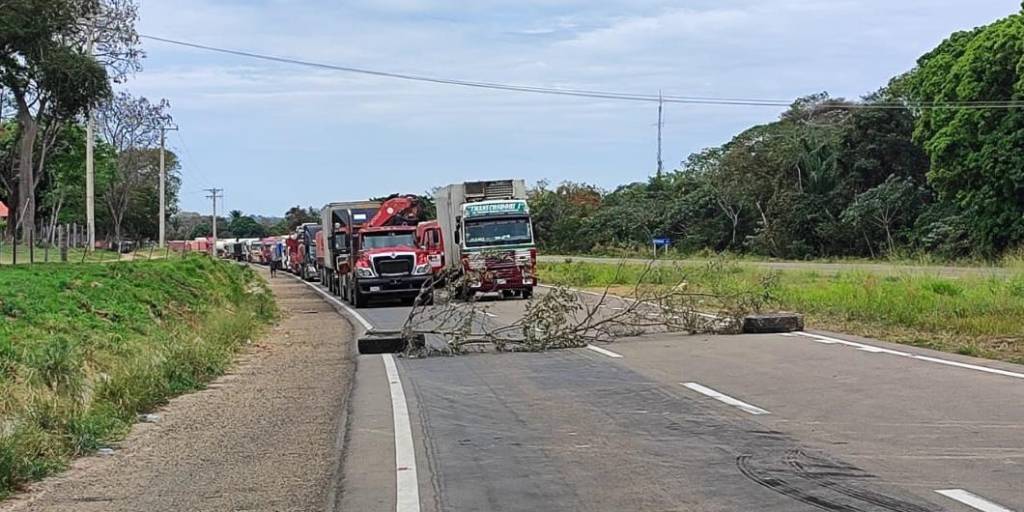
pixel 78 255
pixel 1012 259
pixel 85 348
pixel 974 315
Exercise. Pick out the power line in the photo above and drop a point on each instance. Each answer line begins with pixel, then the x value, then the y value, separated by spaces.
pixel 609 95
pixel 196 171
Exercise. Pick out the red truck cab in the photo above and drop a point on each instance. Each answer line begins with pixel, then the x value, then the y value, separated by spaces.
pixel 430 241
pixel 388 263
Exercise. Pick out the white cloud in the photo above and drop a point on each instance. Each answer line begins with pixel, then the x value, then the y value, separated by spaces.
pixel 274 114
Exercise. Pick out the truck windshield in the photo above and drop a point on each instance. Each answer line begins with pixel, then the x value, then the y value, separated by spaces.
pixel 484 232
pixel 385 239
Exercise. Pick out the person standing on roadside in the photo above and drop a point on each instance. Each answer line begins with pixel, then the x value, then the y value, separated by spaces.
pixel 275 260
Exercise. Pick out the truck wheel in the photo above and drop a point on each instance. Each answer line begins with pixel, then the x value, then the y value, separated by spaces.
pixel 359 299
pixel 528 293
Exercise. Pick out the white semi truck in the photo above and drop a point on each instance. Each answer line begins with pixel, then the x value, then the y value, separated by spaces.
pixel 488 236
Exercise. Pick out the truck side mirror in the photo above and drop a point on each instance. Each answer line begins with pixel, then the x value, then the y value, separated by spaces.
pixel 458 230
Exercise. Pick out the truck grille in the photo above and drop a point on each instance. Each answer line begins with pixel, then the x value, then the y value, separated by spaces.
pixel 400 264
pixel 501 260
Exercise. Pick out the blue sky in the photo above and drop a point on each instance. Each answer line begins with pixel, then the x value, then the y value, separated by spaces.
pixel 274 135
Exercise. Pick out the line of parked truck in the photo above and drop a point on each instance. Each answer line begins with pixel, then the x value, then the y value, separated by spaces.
pixel 361 251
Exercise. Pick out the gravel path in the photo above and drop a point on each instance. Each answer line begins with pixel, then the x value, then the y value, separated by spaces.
pixel 265 437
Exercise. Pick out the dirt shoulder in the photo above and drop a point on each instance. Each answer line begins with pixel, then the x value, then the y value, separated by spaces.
pixel 266 436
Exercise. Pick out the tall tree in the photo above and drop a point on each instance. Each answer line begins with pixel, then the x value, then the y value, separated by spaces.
pixel 976 158
pixel 49 78
pixel 297 216
pixel 132 127
pixel 885 207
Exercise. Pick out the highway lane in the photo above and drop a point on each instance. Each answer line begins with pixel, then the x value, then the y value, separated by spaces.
pixel 843 428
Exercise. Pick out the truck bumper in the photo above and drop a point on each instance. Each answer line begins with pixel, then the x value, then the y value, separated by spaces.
pixel 498 281
pixel 408 286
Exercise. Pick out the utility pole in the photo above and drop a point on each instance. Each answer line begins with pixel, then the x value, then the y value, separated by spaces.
pixel 215 193
pixel 90 183
pixel 163 180
pixel 661 123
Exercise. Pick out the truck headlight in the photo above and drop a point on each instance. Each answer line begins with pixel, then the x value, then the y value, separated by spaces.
pixel 421 269
pixel 364 272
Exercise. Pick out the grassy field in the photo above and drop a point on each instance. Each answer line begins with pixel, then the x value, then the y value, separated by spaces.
pixel 79 255
pixel 84 348
pixel 973 314
pixel 1013 259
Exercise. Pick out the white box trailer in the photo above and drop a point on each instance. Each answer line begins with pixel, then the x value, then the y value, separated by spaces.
pixel 338 222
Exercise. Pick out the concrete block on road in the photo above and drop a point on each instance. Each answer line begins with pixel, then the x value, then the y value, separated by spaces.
pixel 773 323
pixel 387 342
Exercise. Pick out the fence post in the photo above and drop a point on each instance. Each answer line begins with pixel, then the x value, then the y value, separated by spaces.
pixel 62 241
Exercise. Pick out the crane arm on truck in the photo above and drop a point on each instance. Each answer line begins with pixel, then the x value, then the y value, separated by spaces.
pixel 398 211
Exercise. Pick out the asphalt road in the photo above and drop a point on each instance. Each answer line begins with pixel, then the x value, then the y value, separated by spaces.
pixel 815 266
pixel 687 423
pixel 665 422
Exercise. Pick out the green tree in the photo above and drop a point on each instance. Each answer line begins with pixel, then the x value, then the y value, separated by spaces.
pixel 201 230
pixel 975 153
pixel 297 216
pixel 50 78
pixel 886 208
pixel 245 226
pixel 132 127
pixel 562 215
pixel 62 185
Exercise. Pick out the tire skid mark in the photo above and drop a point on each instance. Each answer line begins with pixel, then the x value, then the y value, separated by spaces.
pixel 821 482
pixel 793 458
pixel 781 486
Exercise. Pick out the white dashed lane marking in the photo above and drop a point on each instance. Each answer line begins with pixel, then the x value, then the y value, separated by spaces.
pixel 725 399
pixel 605 352
pixel 972 500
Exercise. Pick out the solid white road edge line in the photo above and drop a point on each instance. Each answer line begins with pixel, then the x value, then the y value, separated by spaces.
pixel 726 399
pixel 879 350
pixel 972 500
pixel 406 481
pixel 333 300
pixel 408 490
pixel 608 353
